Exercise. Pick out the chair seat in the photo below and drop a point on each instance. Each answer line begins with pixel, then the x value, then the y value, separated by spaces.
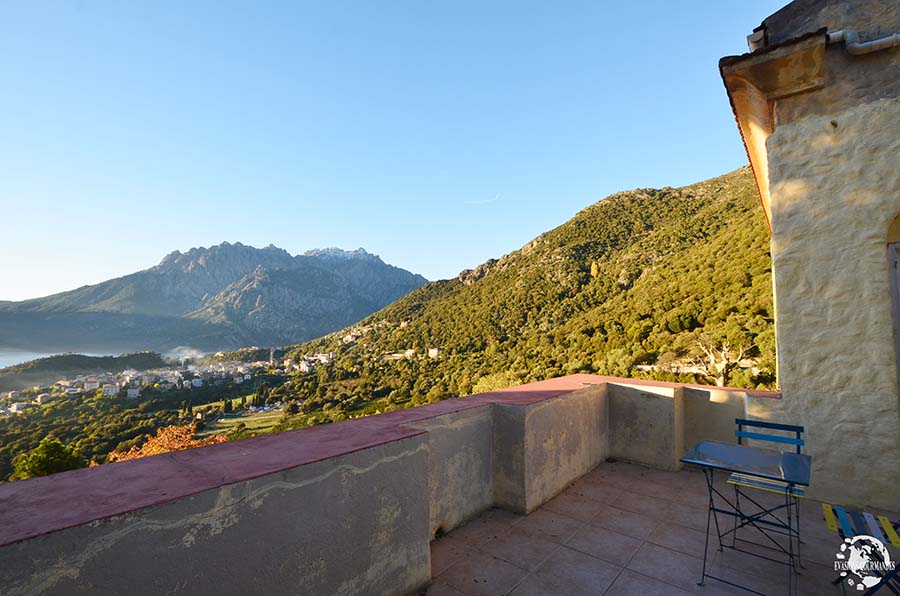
pixel 774 486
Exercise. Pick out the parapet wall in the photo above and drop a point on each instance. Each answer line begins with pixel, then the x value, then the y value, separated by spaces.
pixel 341 509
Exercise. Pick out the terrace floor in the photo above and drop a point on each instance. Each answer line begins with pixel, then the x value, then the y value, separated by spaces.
pixel 620 529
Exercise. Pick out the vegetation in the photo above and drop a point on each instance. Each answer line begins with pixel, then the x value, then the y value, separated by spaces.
pixel 641 284
pixel 92 426
pixel 49 457
pixel 52 368
pixel 669 284
pixel 168 439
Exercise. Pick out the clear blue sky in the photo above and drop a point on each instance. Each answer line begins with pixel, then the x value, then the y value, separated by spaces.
pixel 435 134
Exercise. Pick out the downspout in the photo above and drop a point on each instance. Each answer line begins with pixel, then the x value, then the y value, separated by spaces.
pixel 851 41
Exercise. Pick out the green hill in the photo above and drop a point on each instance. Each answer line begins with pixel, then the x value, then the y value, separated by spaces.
pixel 630 286
pixel 47 370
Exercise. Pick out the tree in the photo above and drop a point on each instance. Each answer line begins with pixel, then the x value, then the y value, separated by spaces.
pixel 49 457
pixel 170 438
pixel 239 431
pixel 718 359
pixel 261 395
pixel 595 270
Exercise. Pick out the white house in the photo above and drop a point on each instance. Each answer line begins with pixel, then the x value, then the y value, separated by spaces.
pixel 133 392
pixel 324 358
pixel 91 384
pixel 197 382
pixel 110 390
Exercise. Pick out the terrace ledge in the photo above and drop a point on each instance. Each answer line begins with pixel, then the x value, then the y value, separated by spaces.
pixel 44 505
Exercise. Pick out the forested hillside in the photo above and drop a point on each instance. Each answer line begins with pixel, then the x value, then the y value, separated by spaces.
pixel 637 284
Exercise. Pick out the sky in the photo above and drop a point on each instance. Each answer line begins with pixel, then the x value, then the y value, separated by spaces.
pixel 434 134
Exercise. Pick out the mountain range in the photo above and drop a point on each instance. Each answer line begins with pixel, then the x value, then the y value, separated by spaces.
pixel 210 299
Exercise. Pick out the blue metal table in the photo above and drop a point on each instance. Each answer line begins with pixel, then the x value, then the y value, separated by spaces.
pixel 792 469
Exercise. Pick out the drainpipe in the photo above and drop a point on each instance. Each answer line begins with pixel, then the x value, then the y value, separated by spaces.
pixel 858 48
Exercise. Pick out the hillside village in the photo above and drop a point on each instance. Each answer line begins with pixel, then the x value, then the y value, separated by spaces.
pixel 131 384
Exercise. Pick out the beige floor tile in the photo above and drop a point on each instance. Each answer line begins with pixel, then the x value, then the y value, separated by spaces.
pixel 482 575
pixel 682 539
pixel 440 589
pixel 625 522
pixel 630 583
pixel 487 526
pixel 669 566
pixel 576 574
pixel 521 548
pixel 550 526
pixel 448 550
pixel 604 544
pixel 574 506
pixel 644 504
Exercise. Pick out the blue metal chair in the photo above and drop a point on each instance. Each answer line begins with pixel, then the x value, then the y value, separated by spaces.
pixel 759 483
pixel 743 481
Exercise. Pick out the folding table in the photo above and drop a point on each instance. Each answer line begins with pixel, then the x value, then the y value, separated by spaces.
pixel 792 469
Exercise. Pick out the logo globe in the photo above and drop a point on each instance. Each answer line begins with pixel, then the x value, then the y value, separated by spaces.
pixel 863 560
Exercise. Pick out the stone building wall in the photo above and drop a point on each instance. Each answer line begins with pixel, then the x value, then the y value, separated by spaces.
pixel 834 185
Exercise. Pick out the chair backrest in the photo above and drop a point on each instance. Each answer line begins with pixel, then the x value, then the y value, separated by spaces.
pixel 742 434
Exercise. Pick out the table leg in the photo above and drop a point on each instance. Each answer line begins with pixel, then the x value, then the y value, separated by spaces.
pixel 707 475
pixel 790 536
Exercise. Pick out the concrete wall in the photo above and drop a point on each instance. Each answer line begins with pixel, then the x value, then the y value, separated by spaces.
pixel 460 466
pixel 357 523
pixel 352 525
pixel 564 439
pixel 542 447
pixel 508 435
pixel 709 414
pixel 645 425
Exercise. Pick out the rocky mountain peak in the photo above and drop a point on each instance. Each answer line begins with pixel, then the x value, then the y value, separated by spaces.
pixel 230 293
pixel 338 254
